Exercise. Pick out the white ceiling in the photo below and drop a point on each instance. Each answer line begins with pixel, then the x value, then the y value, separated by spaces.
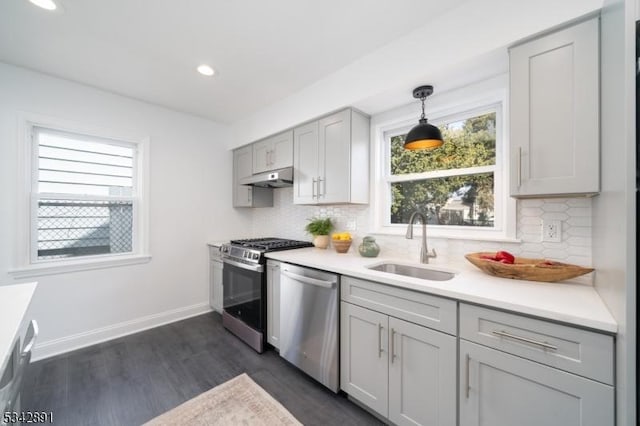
pixel 263 51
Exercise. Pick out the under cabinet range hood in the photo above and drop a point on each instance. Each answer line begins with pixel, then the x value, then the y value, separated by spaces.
pixel 273 179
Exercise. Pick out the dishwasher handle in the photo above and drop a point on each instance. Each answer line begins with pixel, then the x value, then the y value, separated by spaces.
pixel 308 280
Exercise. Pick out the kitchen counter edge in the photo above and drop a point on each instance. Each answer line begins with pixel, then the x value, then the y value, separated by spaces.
pixel 567 302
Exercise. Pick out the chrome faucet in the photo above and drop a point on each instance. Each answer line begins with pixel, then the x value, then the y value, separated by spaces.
pixel 424 251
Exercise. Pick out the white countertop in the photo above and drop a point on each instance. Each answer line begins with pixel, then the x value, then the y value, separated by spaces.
pixel 15 302
pixel 573 303
pixel 216 243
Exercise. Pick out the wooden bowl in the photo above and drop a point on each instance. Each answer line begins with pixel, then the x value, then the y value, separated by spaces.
pixel 527 269
pixel 341 246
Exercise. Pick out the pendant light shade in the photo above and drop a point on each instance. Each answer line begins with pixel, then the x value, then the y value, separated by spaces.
pixel 423 135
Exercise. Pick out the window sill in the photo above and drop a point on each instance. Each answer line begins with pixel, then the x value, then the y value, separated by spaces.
pixel 63 267
pixel 471 235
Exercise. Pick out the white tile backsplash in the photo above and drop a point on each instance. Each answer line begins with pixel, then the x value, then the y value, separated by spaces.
pixel 287 220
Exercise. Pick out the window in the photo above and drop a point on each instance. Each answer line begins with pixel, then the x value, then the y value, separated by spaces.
pixel 453 185
pixel 460 186
pixel 84 196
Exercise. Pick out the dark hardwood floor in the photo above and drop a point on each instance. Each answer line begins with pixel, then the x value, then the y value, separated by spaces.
pixel 132 379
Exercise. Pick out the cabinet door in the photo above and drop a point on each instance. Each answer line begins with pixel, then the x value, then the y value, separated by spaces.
pixel 273 303
pixel 281 155
pixel 498 389
pixel 364 356
pixel 215 292
pixel 242 166
pixel 422 375
pixel 334 159
pixel 305 164
pixel 554 120
pixel 261 155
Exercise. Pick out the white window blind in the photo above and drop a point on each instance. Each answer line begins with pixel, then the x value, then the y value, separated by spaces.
pixel 84 195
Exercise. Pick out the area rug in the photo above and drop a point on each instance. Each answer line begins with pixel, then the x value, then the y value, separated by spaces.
pixel 240 401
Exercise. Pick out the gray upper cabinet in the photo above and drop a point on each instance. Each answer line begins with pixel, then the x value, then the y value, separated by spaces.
pixel 331 160
pixel 275 152
pixel 243 195
pixel 554 113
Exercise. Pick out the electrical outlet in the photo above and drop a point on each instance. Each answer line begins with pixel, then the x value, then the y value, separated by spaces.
pixel 552 231
pixel 350 225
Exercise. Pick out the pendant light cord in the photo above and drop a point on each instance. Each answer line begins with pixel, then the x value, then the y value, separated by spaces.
pixel 423 98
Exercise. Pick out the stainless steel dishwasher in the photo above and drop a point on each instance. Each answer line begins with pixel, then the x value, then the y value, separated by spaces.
pixel 309 322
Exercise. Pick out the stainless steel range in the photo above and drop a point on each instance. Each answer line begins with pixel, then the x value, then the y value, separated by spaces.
pixel 245 286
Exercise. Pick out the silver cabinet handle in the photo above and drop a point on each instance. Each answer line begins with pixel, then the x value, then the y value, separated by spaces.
pixel 324 187
pixel 248 194
pixel 380 340
pixel 525 339
pixel 313 188
pixel 393 345
pixel 519 167
pixel 467 382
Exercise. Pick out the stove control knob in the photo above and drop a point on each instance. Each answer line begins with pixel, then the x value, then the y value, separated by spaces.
pixel 256 256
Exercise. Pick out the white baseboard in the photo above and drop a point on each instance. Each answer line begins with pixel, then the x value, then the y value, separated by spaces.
pixel 76 341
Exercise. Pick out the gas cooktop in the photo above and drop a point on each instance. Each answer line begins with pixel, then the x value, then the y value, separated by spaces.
pixel 270 244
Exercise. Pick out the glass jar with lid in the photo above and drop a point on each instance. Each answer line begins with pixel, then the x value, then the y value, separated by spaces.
pixel 369 247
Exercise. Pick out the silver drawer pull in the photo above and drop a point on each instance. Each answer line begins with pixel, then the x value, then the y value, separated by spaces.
pixel 468 384
pixel 393 345
pixel 519 167
pixel 524 339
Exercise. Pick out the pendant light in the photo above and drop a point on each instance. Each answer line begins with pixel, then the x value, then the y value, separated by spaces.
pixel 423 135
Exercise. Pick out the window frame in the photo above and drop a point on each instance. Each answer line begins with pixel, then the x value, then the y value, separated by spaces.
pixel 468 102
pixel 26 261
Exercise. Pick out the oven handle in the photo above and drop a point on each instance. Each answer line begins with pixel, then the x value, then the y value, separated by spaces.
pixel 307 280
pixel 255 268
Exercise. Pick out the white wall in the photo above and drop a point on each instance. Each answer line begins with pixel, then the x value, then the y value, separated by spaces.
pixel 190 203
pixel 460 47
pixel 614 210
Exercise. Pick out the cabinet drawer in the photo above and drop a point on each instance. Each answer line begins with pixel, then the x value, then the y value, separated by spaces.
pixel 582 352
pixel 430 311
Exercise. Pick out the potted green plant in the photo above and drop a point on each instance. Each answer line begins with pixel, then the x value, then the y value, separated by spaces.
pixel 320 229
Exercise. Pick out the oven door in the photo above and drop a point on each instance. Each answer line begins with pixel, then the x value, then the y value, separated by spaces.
pixel 244 289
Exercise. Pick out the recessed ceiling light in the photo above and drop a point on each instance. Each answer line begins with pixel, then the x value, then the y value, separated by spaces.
pixel 45 4
pixel 205 69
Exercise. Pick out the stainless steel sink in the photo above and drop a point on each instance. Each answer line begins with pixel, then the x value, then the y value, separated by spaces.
pixel 413 271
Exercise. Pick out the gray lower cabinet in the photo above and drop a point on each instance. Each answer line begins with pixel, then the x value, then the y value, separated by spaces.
pixel 273 303
pixel 422 375
pixel 364 356
pixel 402 371
pixel 215 279
pixel 517 370
pixel 500 389
pixel 419 359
